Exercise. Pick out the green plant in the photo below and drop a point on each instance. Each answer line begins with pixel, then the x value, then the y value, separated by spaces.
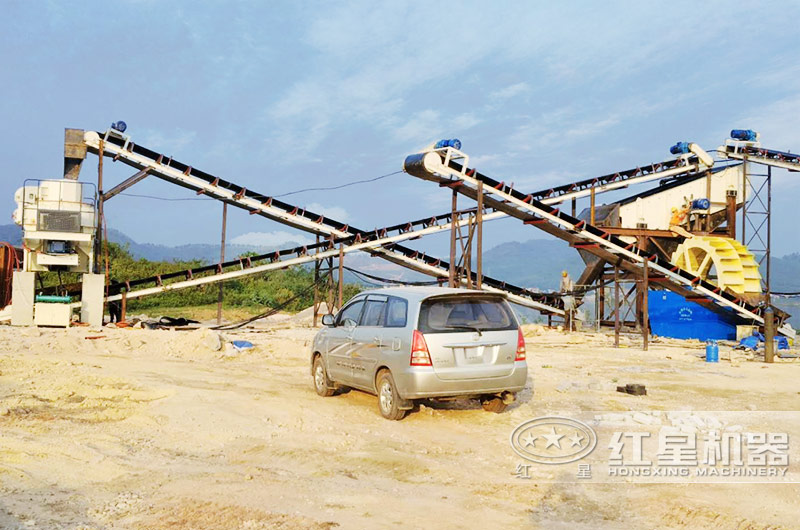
pixel 259 291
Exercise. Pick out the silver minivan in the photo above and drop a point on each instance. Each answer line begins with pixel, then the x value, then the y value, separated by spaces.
pixel 411 343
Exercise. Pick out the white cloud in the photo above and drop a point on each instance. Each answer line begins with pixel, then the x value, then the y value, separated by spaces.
pixel 176 138
pixel 432 126
pixel 274 239
pixel 381 67
pixel 465 121
pixel 424 124
pixel 509 91
pixel 480 160
pixel 777 123
pixel 350 82
pixel 331 212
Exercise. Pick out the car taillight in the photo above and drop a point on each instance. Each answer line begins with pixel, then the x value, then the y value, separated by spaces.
pixel 419 350
pixel 520 347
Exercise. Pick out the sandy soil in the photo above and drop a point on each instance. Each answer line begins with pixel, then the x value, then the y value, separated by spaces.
pixel 150 429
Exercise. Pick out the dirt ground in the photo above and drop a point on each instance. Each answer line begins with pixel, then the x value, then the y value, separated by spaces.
pixel 145 429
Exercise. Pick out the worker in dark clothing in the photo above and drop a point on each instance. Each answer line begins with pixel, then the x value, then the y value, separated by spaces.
pixel 115 307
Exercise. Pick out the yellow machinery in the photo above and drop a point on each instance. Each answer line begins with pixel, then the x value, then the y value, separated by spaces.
pixel 720 260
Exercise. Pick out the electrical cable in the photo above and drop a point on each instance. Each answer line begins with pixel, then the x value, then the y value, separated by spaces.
pixel 168 199
pixel 327 188
pixel 271 311
pixel 339 186
pixel 388 280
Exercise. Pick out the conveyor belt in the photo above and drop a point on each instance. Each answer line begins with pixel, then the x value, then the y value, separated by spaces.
pixel 760 155
pixel 532 211
pixel 377 240
pixel 307 254
pixel 166 168
pixel 256 203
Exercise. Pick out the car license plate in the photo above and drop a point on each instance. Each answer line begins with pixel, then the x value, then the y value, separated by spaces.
pixel 473 354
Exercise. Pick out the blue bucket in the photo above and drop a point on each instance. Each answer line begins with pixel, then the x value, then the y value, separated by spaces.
pixel 712 352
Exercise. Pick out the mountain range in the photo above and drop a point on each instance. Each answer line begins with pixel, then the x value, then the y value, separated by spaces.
pixel 203 251
pixel 536 263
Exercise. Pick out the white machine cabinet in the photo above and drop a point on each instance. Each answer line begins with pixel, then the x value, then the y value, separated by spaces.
pixel 58 220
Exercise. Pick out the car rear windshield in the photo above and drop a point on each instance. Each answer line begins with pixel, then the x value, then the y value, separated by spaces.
pixel 465 313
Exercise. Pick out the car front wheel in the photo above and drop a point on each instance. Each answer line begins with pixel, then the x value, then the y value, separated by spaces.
pixel 322 384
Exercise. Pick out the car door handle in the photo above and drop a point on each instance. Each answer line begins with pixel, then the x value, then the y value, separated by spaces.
pixel 377 341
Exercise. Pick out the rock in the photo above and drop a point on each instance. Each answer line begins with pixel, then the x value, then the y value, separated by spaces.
pixel 696 420
pixel 605 387
pixel 566 386
pixel 229 351
pixel 633 389
pixel 425 410
pixel 211 340
pixel 645 419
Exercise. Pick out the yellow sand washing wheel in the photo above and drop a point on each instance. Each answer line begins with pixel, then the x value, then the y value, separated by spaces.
pixel 720 260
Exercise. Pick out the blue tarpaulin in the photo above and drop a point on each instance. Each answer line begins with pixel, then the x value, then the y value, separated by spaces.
pixel 671 315
pixel 752 342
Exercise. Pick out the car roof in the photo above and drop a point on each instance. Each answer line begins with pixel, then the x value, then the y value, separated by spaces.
pixel 422 292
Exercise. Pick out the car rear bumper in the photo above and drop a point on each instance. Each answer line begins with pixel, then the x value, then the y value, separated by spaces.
pixel 422 382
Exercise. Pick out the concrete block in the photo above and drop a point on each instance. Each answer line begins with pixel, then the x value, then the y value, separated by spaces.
pixel 22 297
pixel 46 314
pixel 92 293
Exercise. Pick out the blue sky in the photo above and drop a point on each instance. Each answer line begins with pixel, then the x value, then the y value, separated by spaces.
pixel 279 96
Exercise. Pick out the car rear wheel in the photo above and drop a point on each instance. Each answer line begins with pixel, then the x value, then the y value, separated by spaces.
pixel 388 399
pixel 493 404
pixel 322 384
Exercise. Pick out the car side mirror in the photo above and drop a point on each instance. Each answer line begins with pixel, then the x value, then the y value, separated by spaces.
pixel 327 320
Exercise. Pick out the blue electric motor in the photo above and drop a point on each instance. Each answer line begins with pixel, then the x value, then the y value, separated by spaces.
pixel 455 143
pixel 681 148
pixel 701 204
pixel 119 126
pixel 745 135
